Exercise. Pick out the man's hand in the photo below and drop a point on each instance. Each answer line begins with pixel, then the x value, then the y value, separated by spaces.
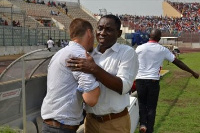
pixel 86 65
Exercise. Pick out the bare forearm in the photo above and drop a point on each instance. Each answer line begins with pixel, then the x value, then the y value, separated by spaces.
pixel 91 97
pixel 183 66
pixel 110 81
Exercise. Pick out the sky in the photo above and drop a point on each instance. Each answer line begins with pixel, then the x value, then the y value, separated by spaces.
pixel 132 7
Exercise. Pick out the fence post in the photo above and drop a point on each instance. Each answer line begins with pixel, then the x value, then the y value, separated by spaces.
pixel 28 37
pixel 49 35
pixel 12 25
pixel 65 35
pixel 3 37
pixel 35 36
pixel 21 35
pixel 59 35
pixel 54 36
pixel 12 37
pixel 42 37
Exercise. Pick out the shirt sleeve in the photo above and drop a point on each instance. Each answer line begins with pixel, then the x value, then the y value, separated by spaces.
pixel 86 82
pixel 128 69
pixel 169 55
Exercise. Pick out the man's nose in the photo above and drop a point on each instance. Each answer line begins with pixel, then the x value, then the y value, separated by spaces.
pixel 103 32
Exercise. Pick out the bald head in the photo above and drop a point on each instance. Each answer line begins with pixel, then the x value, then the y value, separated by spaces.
pixel 155 35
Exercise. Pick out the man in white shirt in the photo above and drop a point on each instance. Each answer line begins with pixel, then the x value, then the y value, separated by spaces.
pixel 62 108
pixel 151 56
pixel 50 44
pixel 115 67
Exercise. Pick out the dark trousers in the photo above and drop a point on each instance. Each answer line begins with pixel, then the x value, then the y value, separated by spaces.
pixel 50 129
pixel 148 92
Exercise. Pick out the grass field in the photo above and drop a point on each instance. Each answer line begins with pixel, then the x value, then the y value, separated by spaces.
pixel 178 108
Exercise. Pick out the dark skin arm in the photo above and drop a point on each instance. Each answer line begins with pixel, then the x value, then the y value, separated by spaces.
pixel 184 67
pixel 88 65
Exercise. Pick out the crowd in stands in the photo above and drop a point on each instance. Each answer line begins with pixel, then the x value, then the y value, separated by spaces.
pixel 54 13
pixel 5 23
pixel 51 3
pixel 16 24
pixel 62 6
pixel 166 24
pixel 2 22
pixel 187 9
pixel 188 22
pixel 35 1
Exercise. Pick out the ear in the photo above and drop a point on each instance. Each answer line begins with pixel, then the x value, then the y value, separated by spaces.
pixel 119 33
pixel 89 33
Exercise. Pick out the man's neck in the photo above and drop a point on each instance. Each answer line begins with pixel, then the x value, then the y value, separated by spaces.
pixel 152 41
pixel 102 48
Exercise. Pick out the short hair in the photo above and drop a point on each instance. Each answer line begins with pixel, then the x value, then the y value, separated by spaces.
pixel 115 18
pixel 155 34
pixel 78 27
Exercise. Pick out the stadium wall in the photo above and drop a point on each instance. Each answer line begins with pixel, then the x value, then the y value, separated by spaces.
pixel 12 50
pixel 170 11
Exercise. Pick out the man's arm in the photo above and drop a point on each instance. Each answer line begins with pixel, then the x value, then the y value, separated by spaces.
pixel 91 97
pixel 110 81
pixel 184 67
pixel 88 65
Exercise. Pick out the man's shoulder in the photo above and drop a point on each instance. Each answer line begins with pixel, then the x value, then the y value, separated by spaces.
pixel 124 46
pixel 124 49
pixel 78 50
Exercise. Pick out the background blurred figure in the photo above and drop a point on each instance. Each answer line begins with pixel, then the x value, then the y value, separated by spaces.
pixel 151 56
pixel 50 44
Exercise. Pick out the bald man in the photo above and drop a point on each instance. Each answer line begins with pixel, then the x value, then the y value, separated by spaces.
pixel 151 56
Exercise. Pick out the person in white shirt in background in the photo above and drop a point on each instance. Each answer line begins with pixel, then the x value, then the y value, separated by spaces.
pixel 50 44
pixel 151 56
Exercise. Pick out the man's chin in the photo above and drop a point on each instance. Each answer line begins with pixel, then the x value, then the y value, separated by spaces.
pixel 102 42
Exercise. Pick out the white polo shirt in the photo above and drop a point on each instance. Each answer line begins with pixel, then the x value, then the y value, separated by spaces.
pixel 151 56
pixel 63 101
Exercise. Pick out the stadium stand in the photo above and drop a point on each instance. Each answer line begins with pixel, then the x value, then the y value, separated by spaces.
pixel 37 23
pixel 180 19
